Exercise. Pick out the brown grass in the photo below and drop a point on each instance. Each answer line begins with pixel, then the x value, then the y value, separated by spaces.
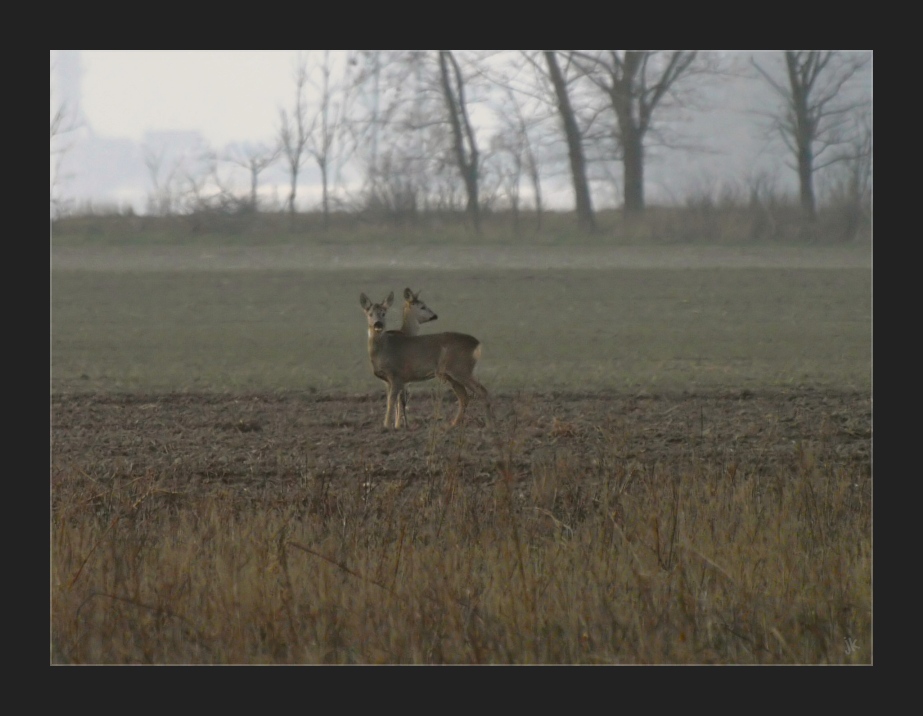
pixel 592 557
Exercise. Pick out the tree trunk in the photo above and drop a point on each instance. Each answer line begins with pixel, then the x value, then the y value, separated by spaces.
pixel 804 128
pixel 291 194
pixel 467 160
pixel 470 174
pixel 585 216
pixel 325 196
pixel 291 201
pixel 633 172
pixel 253 185
pixel 806 182
pixel 537 191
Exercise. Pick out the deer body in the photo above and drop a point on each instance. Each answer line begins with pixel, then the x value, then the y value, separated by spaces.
pixel 399 359
pixel 415 313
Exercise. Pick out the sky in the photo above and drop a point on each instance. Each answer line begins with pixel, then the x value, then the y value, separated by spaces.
pixel 227 95
pixel 231 96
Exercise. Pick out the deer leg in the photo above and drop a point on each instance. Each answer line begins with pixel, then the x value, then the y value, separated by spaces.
pixel 400 400
pixel 402 407
pixel 462 398
pixel 388 410
pixel 393 404
pixel 475 387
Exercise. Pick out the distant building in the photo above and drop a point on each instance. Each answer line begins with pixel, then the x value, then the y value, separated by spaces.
pixel 90 171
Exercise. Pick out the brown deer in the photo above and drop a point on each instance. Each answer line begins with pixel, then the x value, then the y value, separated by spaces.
pixel 399 359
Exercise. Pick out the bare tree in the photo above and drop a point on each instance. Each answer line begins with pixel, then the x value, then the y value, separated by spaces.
pixel 294 132
pixel 572 133
pixel 849 186
pixel 512 155
pixel 817 116
pixel 527 153
pixel 390 174
pixel 328 126
pixel 635 82
pixel 255 158
pixel 181 177
pixel 525 115
pixel 64 116
pixel 858 158
pixel 463 137
pixel 160 200
pixel 64 122
pixel 412 131
pixel 200 186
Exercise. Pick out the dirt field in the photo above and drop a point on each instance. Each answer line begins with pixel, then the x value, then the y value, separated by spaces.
pixel 263 446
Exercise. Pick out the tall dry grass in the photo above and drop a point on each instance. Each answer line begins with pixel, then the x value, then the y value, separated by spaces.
pixel 571 561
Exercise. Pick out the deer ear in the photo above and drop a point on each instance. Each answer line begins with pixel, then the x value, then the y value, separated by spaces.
pixel 389 300
pixel 408 295
pixel 364 300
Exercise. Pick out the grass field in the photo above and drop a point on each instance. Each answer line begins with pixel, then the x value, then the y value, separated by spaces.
pixel 678 471
pixel 578 329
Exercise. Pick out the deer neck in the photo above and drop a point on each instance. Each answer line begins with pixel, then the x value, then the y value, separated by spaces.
pixel 375 341
pixel 409 327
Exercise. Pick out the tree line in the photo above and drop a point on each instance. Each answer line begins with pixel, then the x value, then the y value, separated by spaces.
pixel 432 130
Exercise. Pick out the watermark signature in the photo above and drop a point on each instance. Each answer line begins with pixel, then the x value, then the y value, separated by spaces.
pixel 851 645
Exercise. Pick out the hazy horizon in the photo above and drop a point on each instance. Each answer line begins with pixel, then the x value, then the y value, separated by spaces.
pixel 124 104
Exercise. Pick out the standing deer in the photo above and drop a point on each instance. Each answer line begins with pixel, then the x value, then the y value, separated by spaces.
pixel 415 313
pixel 399 359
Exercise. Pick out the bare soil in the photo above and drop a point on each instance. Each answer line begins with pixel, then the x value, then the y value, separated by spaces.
pixel 265 446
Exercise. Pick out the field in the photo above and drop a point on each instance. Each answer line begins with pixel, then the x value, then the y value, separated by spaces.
pixel 678 469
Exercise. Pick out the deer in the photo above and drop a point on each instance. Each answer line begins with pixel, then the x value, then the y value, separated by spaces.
pixel 399 359
pixel 415 313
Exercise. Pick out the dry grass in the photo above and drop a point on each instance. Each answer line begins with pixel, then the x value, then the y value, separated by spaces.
pixel 603 561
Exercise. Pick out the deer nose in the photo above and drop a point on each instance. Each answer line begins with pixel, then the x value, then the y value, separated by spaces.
pixel 435 316
pixel 378 325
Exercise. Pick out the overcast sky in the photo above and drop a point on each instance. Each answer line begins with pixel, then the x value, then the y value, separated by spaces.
pixel 227 95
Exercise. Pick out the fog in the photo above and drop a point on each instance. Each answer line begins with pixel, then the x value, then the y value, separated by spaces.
pixel 170 104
